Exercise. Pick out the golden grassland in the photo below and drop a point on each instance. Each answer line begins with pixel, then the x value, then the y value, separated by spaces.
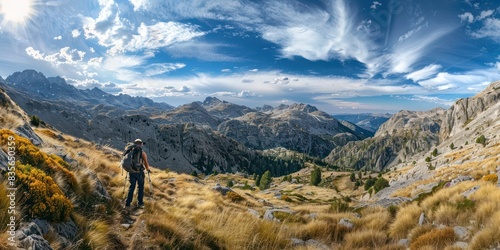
pixel 184 211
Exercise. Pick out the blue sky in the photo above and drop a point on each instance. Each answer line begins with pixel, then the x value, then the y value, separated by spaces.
pixel 341 56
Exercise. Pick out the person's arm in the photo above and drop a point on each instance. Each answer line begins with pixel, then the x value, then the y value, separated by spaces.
pixel 145 159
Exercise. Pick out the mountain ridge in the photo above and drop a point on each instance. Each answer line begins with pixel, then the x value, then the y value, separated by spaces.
pixel 107 119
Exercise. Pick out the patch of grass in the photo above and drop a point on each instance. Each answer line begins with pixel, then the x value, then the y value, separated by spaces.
pixel 436 238
pixel 406 219
pixel 365 239
pixel 288 217
pixel 338 206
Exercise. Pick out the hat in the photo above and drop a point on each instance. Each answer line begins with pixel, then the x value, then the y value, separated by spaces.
pixel 139 141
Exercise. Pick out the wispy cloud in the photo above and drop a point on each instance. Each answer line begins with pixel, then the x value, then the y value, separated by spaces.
pixel 424 73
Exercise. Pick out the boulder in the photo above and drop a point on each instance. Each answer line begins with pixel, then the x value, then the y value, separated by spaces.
pixel 346 222
pixel 221 189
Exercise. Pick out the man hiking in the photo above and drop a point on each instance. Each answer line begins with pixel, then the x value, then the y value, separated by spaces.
pixel 137 177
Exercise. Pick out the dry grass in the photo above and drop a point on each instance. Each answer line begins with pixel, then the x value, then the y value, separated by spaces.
pixel 376 218
pixel 435 239
pixel 370 239
pixel 406 219
pixel 8 120
pixel 489 236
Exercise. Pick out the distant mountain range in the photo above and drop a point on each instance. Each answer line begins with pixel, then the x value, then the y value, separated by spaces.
pixel 183 138
pixel 218 135
pixel 368 121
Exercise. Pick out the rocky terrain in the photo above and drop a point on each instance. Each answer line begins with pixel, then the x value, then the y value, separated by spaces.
pixel 404 135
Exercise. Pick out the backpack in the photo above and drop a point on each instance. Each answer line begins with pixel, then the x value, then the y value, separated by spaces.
pixel 131 158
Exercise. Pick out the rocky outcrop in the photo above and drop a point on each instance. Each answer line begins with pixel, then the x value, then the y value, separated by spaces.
pixel 463 111
pixel 407 133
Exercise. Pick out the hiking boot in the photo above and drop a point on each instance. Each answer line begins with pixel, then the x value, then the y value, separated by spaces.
pixel 127 208
pixel 140 206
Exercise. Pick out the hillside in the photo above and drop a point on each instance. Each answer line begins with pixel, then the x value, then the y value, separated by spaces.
pixel 70 197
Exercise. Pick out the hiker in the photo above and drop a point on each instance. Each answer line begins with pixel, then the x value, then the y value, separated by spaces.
pixel 138 177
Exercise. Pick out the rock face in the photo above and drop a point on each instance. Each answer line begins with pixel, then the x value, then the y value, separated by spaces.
pixel 405 134
pixel 466 110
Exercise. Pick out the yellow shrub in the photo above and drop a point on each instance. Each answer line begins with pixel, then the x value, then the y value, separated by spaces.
pixel 40 195
pixel 491 178
pixel 437 238
pixel 27 153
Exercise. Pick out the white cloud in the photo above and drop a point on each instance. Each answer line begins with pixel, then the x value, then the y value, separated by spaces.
pixel 64 56
pixel 58 38
pixel 423 73
pixel 121 35
pixel 202 51
pixel 254 70
pixel 281 80
pixel 484 14
pixel 466 81
pixel 375 4
pixel 162 68
pixel 317 34
pixel 161 35
pixel 490 29
pixel 87 83
pixel 466 17
pixel 225 70
pixel 404 55
pixel 75 33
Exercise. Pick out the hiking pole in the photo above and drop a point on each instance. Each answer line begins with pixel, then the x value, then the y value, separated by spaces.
pixel 150 184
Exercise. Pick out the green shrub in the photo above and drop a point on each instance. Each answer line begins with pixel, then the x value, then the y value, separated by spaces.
pixel 35 121
pixel 435 152
pixel 481 140
pixel 369 183
pixel 380 184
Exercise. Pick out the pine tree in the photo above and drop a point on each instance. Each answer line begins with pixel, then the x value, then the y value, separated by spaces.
pixel 257 181
pixel 315 176
pixel 265 180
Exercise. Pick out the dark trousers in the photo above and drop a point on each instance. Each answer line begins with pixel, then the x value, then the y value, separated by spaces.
pixel 136 178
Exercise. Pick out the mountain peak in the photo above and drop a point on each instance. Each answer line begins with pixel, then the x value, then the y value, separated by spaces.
pixel 303 107
pixel 211 101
